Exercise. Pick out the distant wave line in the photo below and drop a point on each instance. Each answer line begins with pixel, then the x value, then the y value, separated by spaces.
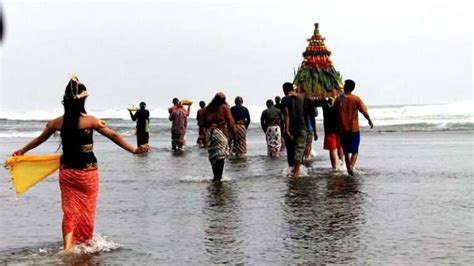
pixel 461 110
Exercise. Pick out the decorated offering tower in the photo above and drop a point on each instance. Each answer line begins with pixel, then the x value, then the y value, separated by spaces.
pixel 317 76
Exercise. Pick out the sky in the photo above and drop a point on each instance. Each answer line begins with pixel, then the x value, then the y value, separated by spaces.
pixel 398 52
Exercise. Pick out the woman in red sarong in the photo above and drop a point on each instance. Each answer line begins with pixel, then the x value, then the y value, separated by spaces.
pixel 78 174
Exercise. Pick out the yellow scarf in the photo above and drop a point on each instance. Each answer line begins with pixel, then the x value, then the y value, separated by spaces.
pixel 27 170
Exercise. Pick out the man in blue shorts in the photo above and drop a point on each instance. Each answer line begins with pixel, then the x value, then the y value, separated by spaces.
pixel 349 105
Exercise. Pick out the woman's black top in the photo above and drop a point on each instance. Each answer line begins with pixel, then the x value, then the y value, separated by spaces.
pixel 80 155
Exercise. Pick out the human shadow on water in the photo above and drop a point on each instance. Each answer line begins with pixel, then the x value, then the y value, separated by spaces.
pixel 223 239
pixel 323 214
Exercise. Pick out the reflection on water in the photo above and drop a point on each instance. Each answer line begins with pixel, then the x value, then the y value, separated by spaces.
pixel 323 214
pixel 49 254
pixel 82 259
pixel 402 208
pixel 223 240
pixel 344 218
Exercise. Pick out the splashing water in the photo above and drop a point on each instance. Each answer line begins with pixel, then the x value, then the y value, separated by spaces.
pixel 202 179
pixel 287 172
pixel 98 244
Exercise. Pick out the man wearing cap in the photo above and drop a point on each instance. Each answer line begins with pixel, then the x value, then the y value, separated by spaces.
pixel 142 116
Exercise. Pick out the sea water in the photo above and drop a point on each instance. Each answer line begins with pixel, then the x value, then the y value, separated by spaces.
pixel 411 201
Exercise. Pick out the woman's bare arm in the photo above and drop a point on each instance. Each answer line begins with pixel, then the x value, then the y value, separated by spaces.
pixel 118 139
pixel 49 130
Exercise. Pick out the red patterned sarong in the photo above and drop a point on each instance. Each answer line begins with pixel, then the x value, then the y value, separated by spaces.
pixel 79 189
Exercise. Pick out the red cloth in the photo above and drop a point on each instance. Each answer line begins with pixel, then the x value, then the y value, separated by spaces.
pixel 79 189
pixel 331 141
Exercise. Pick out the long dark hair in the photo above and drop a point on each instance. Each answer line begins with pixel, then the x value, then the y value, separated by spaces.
pixel 217 101
pixel 73 103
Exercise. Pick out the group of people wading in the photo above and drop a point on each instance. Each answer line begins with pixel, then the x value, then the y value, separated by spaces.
pixel 222 130
pixel 289 122
pixel 341 125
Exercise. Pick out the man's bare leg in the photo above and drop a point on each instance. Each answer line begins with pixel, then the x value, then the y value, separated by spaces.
pixel 296 169
pixel 333 157
pixel 307 151
pixel 217 170
pixel 354 157
pixel 340 154
pixel 348 164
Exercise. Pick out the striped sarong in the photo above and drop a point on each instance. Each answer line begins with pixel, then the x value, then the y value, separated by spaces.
pixel 79 189
pixel 218 145
pixel 273 137
pixel 239 143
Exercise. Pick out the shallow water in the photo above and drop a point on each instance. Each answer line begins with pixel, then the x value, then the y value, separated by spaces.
pixel 411 202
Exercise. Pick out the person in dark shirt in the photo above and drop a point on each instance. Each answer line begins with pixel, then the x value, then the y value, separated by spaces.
pixel 142 116
pixel 295 126
pixel 332 141
pixel 201 141
pixel 278 106
pixel 271 124
pixel 241 117
pixel 278 102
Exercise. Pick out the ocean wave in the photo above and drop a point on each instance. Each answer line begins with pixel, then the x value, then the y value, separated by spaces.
pixel 20 134
pixel 460 112
pixel 458 115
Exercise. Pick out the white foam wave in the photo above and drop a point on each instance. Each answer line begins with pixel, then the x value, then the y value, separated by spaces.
pixel 195 179
pixel 48 115
pixel 33 115
pixel 459 112
pixel 202 179
pixel 19 134
pixel 124 114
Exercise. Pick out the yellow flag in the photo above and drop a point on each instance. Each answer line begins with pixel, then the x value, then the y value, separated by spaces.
pixel 27 170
